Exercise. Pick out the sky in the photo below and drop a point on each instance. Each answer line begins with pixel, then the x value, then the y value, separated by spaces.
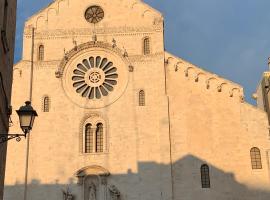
pixel 230 38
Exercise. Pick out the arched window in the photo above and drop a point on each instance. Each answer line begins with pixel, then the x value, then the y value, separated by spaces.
pixel 41 52
pixel 205 177
pixel 99 138
pixel 255 156
pixel 141 98
pixel 146 46
pixel 46 104
pixel 93 138
pixel 88 141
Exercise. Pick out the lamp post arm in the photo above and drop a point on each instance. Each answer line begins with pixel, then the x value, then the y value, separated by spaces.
pixel 5 137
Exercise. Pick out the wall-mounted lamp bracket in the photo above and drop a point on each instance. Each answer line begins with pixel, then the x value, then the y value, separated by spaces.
pixel 5 137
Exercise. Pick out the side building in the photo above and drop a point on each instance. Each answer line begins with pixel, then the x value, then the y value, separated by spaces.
pixel 8 26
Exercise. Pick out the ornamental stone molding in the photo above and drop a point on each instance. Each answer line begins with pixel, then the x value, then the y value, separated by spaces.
pixel 94 74
pixel 93 170
pixel 60 33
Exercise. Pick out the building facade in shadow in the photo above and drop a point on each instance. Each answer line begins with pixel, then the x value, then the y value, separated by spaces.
pixel 7 40
pixel 120 118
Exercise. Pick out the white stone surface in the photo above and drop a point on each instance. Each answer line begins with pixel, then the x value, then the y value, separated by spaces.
pixel 191 117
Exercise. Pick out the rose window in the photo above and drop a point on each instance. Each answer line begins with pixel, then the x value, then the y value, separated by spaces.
pixel 94 14
pixel 94 77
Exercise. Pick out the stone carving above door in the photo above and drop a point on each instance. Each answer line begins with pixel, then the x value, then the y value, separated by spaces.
pixel 94 181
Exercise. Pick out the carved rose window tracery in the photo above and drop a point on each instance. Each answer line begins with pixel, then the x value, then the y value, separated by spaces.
pixel 94 14
pixel 94 77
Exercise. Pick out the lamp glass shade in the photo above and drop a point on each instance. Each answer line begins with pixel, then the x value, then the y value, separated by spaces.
pixel 26 121
pixel 27 116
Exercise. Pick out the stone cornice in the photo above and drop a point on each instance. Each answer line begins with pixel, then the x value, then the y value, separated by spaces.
pixel 124 30
pixel 148 58
pixel 56 63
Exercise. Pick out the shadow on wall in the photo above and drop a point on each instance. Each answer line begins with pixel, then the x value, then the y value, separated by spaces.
pixel 187 184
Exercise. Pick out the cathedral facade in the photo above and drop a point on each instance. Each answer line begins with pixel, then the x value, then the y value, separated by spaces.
pixel 120 118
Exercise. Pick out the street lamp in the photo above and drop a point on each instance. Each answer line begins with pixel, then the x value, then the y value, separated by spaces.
pixel 27 116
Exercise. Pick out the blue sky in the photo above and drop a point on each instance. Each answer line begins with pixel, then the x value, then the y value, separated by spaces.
pixel 227 37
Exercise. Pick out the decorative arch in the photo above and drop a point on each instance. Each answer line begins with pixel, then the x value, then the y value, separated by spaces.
pixel 177 65
pixel 221 87
pixel 168 60
pixel 94 181
pixel 40 21
pixel 92 170
pixel 144 12
pixel 208 82
pixel 187 71
pixel 197 77
pixel 93 134
pixel 61 4
pixel 89 45
pixel 234 92
pixel 51 12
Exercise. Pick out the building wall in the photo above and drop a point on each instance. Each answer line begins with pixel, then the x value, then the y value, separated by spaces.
pixel 7 24
pixel 213 125
pixel 191 117
pixel 55 149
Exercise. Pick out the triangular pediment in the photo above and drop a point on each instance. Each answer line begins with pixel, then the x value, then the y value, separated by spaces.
pixel 62 14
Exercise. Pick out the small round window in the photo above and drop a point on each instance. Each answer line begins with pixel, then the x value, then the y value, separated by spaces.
pixel 94 77
pixel 94 14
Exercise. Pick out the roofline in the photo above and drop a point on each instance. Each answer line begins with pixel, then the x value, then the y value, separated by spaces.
pixel 234 83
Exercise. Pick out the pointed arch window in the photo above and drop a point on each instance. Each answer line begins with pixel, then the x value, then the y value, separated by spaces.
pixel 88 138
pixel 255 156
pixel 205 176
pixel 46 104
pixel 141 98
pixel 41 52
pixel 146 46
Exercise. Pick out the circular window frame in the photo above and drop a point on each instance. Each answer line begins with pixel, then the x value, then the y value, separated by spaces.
pixel 95 77
pixel 97 20
pixel 94 49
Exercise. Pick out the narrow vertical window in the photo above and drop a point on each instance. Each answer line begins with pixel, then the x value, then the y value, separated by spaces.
pixel 99 138
pixel 146 46
pixel 41 52
pixel 46 104
pixel 88 141
pixel 141 98
pixel 255 156
pixel 205 177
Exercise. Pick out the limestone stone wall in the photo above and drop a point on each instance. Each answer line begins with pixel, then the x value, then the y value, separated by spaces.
pixel 211 126
pixel 190 116
pixel 7 27
pixel 137 143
